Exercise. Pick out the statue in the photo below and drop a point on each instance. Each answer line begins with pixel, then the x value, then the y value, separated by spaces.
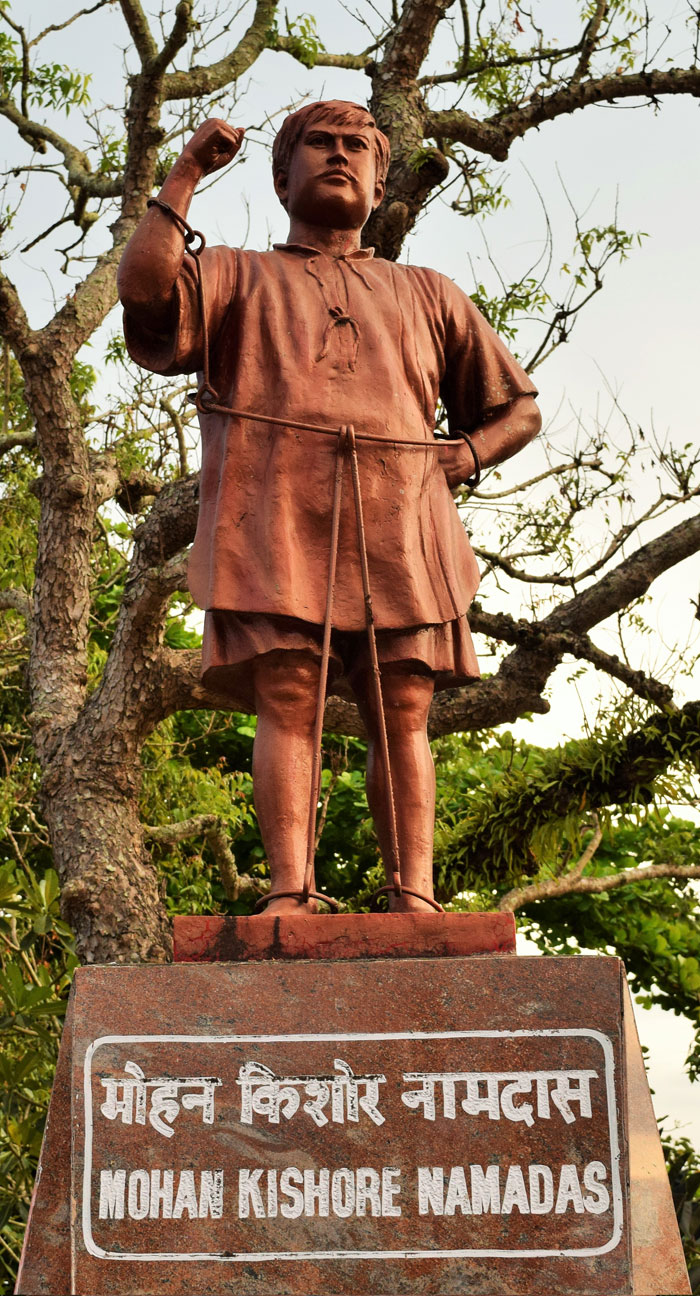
pixel 329 547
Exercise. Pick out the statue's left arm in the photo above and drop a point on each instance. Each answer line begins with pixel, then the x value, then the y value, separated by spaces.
pixel 486 392
pixel 497 439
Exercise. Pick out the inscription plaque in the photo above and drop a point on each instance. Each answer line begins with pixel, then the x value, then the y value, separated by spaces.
pixel 394 1126
pixel 438 1126
pixel 437 1145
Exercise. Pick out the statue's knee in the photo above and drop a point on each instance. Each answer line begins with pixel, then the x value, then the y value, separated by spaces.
pixel 286 688
pixel 406 700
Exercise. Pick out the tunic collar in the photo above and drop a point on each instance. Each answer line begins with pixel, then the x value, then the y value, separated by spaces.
pixel 362 254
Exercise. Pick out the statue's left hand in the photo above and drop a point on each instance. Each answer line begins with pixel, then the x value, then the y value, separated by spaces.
pixel 457 462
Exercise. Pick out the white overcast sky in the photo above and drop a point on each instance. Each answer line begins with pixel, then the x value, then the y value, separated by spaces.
pixel 638 339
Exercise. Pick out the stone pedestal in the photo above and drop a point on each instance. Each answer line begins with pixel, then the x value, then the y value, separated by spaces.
pixel 298 1119
pixel 341 936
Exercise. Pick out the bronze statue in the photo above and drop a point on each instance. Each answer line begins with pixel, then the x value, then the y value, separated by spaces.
pixel 325 497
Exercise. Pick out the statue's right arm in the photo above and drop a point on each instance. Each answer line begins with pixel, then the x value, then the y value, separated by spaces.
pixel 153 257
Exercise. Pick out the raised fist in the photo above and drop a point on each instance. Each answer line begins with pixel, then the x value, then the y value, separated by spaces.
pixel 214 144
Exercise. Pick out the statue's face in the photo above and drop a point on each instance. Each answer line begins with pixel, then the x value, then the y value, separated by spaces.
pixel 332 179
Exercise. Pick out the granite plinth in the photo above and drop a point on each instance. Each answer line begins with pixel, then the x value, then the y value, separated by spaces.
pixel 385 1126
pixel 341 936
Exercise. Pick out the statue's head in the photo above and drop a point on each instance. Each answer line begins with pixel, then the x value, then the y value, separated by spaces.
pixel 329 163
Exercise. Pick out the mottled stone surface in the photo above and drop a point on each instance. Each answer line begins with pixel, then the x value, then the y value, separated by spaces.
pixel 657 1254
pixel 342 1168
pixel 45 1266
pixel 203 939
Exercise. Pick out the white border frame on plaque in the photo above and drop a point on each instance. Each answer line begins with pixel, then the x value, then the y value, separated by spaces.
pixel 259 1257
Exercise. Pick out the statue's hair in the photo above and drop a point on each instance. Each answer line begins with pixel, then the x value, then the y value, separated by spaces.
pixel 338 111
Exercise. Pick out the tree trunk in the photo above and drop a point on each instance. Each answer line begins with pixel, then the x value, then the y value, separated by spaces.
pixel 91 778
pixel 110 892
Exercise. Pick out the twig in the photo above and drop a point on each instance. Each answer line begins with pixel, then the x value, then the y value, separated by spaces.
pixel 168 408
pixel 16 600
pixel 571 885
pixel 55 27
pixel 337 765
pixel 213 829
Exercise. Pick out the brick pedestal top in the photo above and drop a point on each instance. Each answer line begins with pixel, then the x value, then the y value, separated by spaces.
pixel 216 939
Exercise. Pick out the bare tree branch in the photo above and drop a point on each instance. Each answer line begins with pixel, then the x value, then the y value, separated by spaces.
pixel 628 581
pixel 617 540
pixel 205 80
pixel 593 885
pixel 496 134
pixel 353 62
pixel 139 30
pixel 500 626
pixel 78 172
pixel 14 440
pixel 56 27
pixel 86 308
pixel 550 54
pixel 517 686
pixel 178 35
pixel 16 600
pixel 514 899
pixel 461 127
pixel 24 83
pixel 168 408
pixel 213 829
pixel 14 325
pixel 555 471
pixel 590 37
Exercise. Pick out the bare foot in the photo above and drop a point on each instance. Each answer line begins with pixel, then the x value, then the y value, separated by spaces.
pixel 290 905
pixel 408 904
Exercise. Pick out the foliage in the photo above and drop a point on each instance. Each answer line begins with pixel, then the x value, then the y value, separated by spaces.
pixel 683 1165
pixel 651 925
pixel 301 39
pixel 52 85
pixel 37 961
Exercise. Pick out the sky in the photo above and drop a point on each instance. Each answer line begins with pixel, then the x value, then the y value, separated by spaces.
pixel 636 343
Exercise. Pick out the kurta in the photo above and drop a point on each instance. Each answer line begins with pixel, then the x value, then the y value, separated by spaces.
pixel 296 333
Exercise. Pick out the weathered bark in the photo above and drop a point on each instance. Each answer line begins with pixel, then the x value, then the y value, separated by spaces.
pixel 88 752
pixel 399 110
pixel 110 893
pixel 495 135
pixel 88 749
pixel 58 663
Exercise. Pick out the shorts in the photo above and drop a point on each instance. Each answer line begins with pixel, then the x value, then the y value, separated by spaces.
pixel 232 640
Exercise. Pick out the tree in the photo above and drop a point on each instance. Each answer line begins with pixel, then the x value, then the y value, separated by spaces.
pixel 103 499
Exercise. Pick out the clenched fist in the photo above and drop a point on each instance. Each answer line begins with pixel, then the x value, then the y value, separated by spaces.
pixel 213 145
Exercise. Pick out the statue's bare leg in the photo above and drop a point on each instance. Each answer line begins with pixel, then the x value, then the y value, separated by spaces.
pixel 286 684
pixel 407 701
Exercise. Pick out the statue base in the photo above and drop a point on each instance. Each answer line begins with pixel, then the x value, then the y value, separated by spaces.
pixel 215 939
pixel 354 1104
